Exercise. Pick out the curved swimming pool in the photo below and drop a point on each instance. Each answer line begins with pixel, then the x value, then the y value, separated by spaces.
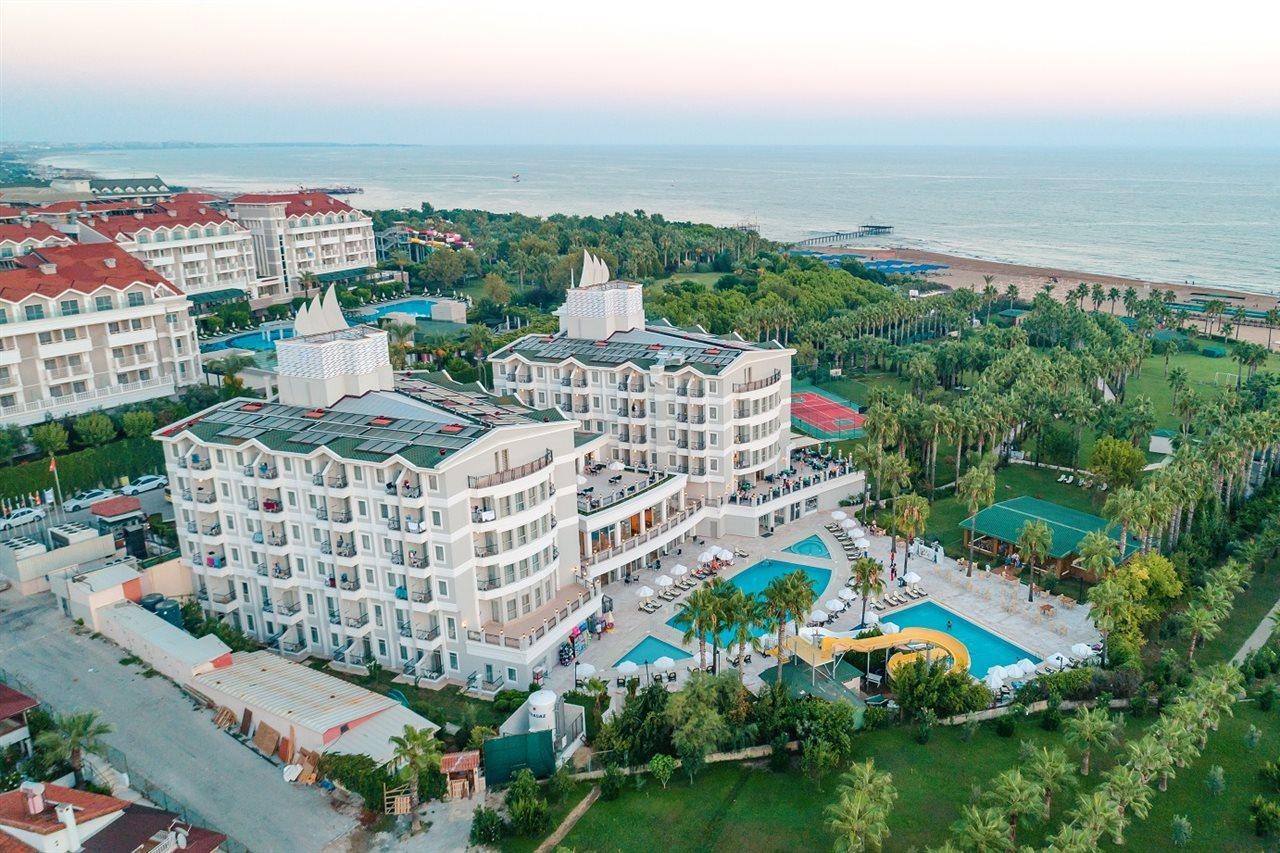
pixel 753 579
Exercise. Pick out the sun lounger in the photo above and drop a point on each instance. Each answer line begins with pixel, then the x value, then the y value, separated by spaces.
pixel 671 676
pixel 622 682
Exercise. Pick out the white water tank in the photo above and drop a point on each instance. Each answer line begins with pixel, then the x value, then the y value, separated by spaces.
pixel 542 707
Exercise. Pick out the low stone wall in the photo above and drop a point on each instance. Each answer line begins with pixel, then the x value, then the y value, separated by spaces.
pixel 751 753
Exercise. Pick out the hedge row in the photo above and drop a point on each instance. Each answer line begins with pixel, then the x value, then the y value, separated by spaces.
pixel 85 469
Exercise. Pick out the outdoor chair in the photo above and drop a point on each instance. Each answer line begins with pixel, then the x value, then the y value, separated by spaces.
pixel 671 677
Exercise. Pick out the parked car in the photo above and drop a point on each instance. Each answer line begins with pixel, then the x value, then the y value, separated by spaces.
pixel 85 499
pixel 145 483
pixel 19 517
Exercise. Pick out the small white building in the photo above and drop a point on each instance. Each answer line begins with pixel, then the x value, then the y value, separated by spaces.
pixel 28 562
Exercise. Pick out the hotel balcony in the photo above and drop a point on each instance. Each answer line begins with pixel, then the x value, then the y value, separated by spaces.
pixel 755 385
pixel 510 474
pixel 524 633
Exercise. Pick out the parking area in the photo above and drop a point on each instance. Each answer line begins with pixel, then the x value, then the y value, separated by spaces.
pixel 164 735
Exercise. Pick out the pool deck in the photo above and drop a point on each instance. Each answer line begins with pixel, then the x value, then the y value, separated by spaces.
pixel 996 605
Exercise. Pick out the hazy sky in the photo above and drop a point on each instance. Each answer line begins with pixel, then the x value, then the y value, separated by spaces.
pixel 1085 72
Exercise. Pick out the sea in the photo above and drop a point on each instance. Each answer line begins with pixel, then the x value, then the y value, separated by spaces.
pixel 1206 216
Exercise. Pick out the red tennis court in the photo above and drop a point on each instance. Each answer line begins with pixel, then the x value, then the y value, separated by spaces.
pixel 824 414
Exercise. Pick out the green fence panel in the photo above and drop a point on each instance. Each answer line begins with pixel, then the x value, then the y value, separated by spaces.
pixel 504 756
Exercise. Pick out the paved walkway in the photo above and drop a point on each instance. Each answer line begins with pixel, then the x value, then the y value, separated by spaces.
pixel 1260 634
pixel 163 735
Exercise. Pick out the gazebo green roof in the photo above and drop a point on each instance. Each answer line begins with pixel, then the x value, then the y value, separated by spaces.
pixel 1004 521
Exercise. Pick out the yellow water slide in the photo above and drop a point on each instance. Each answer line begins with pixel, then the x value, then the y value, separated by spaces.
pixel 916 640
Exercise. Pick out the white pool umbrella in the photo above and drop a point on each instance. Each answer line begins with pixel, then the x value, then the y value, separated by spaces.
pixel 994 681
pixel 628 667
pixel 848 524
pixel 835 605
pixel 862 543
pixel 616 465
pixel 839 515
pixel 996 672
pixel 857 532
pixel 1082 650
pixel 873 618
pixel 679 570
pixel 664 581
pixel 911 577
pixel 706 557
pixel 664 662
pixel 818 615
pixel 645 592
pixel 582 481
pixel 724 554
pixel 1058 659
pixel 889 628
pixel 847 594
pixel 585 670
pixel 1025 666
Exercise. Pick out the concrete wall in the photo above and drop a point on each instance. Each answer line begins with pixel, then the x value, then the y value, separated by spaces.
pixel 157 644
pixel 170 578
pixel 30 574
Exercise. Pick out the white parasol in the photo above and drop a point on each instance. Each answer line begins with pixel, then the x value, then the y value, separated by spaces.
pixel 582 481
pixel 664 581
pixel 1058 659
pixel 848 524
pixel 616 465
pixel 1025 666
pixel 724 553
pixel 645 592
pixel 997 671
pixel 664 662
pixel 847 594
pixel 627 667
pixel 839 515
pixel 679 570
pixel 911 577
pixel 706 557
pixel 994 680
pixel 585 670
pixel 873 618
pixel 818 615
pixel 1082 650
pixel 835 605
pixel 862 543
pixel 889 628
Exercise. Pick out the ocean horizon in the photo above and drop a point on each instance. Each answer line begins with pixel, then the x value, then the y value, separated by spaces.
pixel 1205 216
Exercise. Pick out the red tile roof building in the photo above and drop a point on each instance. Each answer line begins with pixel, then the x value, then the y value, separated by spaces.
pixel 305 232
pixel 88 326
pixel 18 239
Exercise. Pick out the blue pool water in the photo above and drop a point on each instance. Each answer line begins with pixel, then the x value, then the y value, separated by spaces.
pixel 419 307
pixel 256 340
pixel 650 649
pixel 811 547
pixel 753 579
pixel 985 649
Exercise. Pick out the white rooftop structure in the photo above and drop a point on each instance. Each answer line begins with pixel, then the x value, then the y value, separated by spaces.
pixel 156 641
pixel 598 306
pixel 373 737
pixel 327 359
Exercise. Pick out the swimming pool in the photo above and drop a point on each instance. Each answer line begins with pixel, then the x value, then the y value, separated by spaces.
pixel 753 579
pixel 419 307
pixel 650 649
pixel 811 547
pixel 985 648
pixel 255 340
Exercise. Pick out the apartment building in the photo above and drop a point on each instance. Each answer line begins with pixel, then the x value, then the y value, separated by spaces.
pixel 86 327
pixel 413 521
pixel 305 232
pixel 198 248
pixel 20 238
pixel 686 419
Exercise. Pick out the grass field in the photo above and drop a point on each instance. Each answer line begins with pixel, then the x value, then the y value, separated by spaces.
pixel 520 844
pixel 1251 607
pixel 744 809
pixel 706 278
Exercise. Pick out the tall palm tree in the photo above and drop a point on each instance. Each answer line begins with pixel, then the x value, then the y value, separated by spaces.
pixel 911 518
pixel 699 613
pixel 71 736
pixel 983 830
pixel 416 751
pixel 742 613
pixel 1015 795
pixel 1049 767
pixel 977 488
pixel 1096 813
pixel 1089 729
pixel 1097 553
pixel 1201 623
pixel 1035 542
pixel 1129 791
pixel 868 580
pixel 801 597
pixel 776 602
pixel 859 817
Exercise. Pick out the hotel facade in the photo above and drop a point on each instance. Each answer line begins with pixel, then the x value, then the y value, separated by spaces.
pixel 86 327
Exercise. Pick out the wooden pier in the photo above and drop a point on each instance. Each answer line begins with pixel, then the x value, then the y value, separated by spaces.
pixel 838 237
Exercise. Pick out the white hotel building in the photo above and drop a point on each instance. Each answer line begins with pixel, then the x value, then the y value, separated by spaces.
pixel 423 524
pixel 196 247
pixel 305 232
pixel 87 327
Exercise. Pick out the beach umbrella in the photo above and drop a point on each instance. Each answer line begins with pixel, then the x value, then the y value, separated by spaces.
pixel 818 615
pixel 616 465
pixel 724 554
pixel 645 592
pixel 1025 666
pixel 835 605
pixel 627 668
pixel 994 681
pixel 857 532
pixel 585 670
pixel 862 543
pixel 664 662
pixel 706 557
pixel 664 581
pixel 582 481
pixel 847 594
pixel 679 570
pixel 997 672
pixel 889 628
pixel 873 618
pixel 848 524
pixel 839 515
pixel 911 577
pixel 1082 650
pixel 1058 659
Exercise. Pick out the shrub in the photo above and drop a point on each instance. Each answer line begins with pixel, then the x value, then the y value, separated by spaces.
pixel 780 757
pixel 1216 780
pixel 662 766
pixel 1265 816
pixel 487 826
pixel 508 700
pixel 1181 830
pixel 560 784
pixel 95 429
pixel 84 469
pixel 1252 737
pixel 612 783
pixel 1051 719
pixel 359 775
pixel 529 811
pixel 1267 698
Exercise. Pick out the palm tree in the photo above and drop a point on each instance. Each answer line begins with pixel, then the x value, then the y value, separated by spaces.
pixel 1150 756
pixel 1096 814
pixel 860 816
pixel 868 580
pixel 401 336
pixel 742 612
pixel 1087 730
pixel 911 518
pixel 1201 623
pixel 308 280
pixel 983 830
pixel 1129 791
pixel 1273 323
pixel 776 601
pixel 699 613
pixel 1051 770
pixel 977 488
pixel 1015 795
pixel 801 597
pixel 416 751
pixel 1097 553
pixel 478 340
pixel 1034 542
pixel 71 736
pixel 895 476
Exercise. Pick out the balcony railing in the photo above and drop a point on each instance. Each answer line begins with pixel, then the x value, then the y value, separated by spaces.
pixel 349 585
pixel 757 384
pixel 288 608
pixel 588 505
pixel 509 474
pixel 558 615
pixel 356 621
pixel 427 634
pixel 422 596
pixel 223 597
pixel 346 550
pixel 636 541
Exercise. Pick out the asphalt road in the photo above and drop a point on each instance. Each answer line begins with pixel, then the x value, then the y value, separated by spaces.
pixel 163 735
pixel 152 502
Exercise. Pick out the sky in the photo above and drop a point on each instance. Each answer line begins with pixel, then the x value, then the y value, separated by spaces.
pixel 1121 72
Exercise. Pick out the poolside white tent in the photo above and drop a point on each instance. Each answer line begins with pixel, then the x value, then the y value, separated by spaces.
pixel 1025 667
pixel 857 532
pixel 1057 660
pixel 665 662
pixel 997 672
pixel 628 668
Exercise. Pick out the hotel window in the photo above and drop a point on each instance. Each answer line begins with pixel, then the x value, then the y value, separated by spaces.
pixel 136 299
pixel 103 303
pixel 70 307
pixel 45 338
pixel 4 316
pixel 34 312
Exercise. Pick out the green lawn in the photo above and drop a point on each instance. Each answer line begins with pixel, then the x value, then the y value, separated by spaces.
pixel 744 809
pixel 1202 371
pixel 705 278
pixel 1251 607
pixel 520 844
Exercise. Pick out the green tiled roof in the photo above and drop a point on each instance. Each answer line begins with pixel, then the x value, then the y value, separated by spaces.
pixel 1004 521
pixel 643 348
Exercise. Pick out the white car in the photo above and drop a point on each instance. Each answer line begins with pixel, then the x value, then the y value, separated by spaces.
pixel 86 499
pixel 19 517
pixel 145 483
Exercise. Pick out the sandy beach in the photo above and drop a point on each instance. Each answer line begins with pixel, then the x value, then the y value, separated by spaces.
pixel 969 272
